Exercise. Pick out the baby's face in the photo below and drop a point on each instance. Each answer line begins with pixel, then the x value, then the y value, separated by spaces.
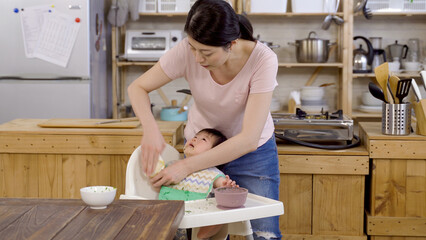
pixel 198 144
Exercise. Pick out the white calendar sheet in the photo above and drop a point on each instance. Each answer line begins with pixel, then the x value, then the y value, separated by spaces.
pixel 31 23
pixel 57 37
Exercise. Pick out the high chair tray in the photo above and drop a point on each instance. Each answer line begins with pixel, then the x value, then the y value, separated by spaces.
pixel 205 212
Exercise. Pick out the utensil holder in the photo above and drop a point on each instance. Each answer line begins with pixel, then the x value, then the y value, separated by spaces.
pixel 420 111
pixel 396 119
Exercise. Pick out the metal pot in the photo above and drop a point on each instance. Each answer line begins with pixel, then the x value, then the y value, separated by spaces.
pixel 312 49
pixel 269 44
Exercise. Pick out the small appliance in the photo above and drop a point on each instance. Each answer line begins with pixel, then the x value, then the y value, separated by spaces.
pixel 379 55
pixel 149 45
pixel 362 59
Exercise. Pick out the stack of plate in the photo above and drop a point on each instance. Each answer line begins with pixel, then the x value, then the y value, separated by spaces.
pixel 370 104
pixel 312 99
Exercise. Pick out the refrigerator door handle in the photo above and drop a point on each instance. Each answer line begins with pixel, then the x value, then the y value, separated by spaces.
pixel 44 78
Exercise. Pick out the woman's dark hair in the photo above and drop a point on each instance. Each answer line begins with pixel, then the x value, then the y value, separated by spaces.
pixel 215 23
pixel 220 138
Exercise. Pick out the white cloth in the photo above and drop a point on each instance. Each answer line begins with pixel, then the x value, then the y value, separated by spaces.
pixel 119 12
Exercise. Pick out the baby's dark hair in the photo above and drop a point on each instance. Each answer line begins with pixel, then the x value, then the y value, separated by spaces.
pixel 220 138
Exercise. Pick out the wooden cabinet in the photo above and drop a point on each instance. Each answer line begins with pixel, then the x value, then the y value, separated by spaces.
pixel 323 192
pixel 396 189
pixel 56 162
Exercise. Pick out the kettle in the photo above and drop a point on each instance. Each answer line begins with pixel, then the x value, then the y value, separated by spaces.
pixel 362 60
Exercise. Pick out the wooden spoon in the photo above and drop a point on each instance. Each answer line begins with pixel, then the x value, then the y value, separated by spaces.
pixel 393 81
pixel 382 73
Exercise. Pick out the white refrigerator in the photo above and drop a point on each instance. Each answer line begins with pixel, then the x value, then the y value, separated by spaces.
pixel 53 59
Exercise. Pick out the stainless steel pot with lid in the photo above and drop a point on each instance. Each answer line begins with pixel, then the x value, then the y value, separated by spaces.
pixel 312 49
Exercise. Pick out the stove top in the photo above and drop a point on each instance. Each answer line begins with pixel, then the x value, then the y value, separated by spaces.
pixel 323 126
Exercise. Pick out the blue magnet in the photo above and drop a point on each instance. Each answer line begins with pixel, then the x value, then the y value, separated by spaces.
pixel 50 10
pixel 16 10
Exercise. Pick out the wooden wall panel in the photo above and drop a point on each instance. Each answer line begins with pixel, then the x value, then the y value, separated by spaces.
pixel 296 195
pixel 416 189
pixel 118 172
pixel 49 176
pixel 74 175
pixel 20 175
pixel 3 171
pixel 98 170
pixel 338 204
pixel 399 188
pixel 389 188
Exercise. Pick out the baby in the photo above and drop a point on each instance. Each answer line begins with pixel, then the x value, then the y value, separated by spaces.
pixel 198 185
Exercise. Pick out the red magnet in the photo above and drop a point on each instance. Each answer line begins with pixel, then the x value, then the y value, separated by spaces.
pixel 77 20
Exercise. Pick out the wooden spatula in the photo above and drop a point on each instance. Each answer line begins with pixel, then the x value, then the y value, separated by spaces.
pixel 393 82
pixel 382 73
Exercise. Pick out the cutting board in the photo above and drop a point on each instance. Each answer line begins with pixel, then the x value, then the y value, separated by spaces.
pixel 86 123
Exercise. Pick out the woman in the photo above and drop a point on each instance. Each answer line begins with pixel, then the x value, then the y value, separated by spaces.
pixel 232 78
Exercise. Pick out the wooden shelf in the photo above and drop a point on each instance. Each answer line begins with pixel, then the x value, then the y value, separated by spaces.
pixel 287 14
pixel 163 14
pixel 287 65
pixel 291 65
pixel 400 75
pixel 358 114
pixel 406 14
pixel 290 14
pixel 130 63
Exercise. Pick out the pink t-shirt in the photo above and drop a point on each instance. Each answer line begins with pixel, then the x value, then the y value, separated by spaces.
pixel 222 106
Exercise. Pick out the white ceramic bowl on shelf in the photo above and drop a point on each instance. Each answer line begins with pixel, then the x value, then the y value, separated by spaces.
pixel 368 100
pixel 412 66
pixel 312 93
pixel 394 66
pixel 98 197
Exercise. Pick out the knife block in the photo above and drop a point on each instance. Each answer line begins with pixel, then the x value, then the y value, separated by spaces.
pixel 420 110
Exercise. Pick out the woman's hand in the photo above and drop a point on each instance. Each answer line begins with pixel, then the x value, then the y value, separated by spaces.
pixel 172 174
pixel 152 145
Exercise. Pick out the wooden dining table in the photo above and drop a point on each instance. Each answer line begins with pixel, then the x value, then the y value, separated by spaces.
pixel 23 218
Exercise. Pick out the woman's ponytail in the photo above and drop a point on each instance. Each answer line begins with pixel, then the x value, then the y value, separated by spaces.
pixel 246 29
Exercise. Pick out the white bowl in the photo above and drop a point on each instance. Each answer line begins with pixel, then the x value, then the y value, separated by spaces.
pixel 98 197
pixel 314 109
pixel 394 66
pixel 368 100
pixel 312 93
pixel 412 66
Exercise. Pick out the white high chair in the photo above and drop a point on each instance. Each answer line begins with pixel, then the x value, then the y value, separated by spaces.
pixel 138 187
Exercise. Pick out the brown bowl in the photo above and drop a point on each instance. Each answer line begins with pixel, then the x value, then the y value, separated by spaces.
pixel 230 197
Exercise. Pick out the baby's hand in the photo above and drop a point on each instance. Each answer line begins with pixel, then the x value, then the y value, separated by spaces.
pixel 229 183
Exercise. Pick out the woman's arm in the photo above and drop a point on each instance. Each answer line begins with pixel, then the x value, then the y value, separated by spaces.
pixel 246 141
pixel 152 143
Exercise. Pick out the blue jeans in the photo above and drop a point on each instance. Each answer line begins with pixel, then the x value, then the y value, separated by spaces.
pixel 258 172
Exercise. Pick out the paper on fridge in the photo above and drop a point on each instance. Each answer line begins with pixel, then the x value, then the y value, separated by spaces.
pixel 57 38
pixel 31 24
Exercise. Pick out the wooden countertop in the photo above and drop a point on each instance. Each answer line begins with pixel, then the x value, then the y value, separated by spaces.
pixel 29 126
pixel 380 146
pixel 374 131
pixel 72 219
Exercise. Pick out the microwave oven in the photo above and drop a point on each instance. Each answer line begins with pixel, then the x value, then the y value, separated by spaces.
pixel 149 45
